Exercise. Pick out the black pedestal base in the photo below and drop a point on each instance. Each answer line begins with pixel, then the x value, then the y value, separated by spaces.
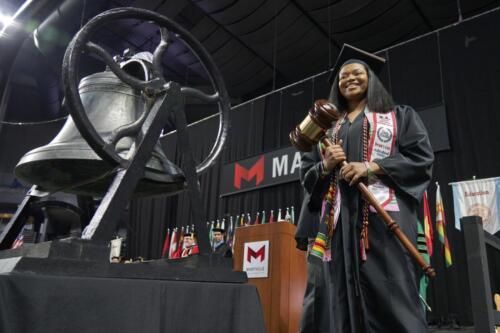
pixel 47 303
pixel 83 258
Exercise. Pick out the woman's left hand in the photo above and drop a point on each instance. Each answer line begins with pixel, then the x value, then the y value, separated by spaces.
pixel 353 172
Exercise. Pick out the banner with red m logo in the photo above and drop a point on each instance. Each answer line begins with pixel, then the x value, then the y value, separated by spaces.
pixel 268 169
pixel 256 171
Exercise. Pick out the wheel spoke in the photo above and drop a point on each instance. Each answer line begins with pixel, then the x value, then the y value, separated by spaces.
pixel 195 93
pixel 129 129
pixel 160 49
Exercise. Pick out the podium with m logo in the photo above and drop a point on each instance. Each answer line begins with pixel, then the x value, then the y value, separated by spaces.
pixel 277 268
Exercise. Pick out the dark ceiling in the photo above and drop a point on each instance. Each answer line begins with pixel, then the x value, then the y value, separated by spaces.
pixel 257 44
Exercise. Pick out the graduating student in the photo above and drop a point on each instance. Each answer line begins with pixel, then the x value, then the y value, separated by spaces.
pixel 372 279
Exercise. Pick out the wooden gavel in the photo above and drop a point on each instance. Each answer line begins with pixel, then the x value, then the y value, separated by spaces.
pixel 312 130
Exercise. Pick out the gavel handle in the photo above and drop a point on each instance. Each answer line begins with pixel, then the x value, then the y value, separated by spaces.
pixel 391 224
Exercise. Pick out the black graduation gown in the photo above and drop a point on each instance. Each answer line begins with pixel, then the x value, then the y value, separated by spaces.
pixel 381 294
pixel 315 316
pixel 308 221
pixel 223 250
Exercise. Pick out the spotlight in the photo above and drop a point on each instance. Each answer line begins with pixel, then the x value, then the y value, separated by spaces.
pixel 8 20
pixel 5 20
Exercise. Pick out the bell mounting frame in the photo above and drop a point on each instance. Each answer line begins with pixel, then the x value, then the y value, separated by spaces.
pixel 80 43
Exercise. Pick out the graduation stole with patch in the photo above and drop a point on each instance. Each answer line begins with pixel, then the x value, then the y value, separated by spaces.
pixel 382 133
pixel 379 139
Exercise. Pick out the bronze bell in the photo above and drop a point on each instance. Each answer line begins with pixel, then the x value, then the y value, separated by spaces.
pixel 68 163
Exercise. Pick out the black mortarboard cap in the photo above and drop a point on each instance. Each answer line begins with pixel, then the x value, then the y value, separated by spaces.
pixel 219 230
pixel 349 52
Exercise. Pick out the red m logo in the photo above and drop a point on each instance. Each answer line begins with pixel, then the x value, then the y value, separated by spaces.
pixel 257 171
pixel 256 254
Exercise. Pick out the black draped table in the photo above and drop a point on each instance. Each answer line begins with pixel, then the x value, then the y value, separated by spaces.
pixel 49 303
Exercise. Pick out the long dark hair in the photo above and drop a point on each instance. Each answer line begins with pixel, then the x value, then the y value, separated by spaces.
pixel 377 97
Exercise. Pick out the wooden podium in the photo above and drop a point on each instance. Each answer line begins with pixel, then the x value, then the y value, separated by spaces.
pixel 281 293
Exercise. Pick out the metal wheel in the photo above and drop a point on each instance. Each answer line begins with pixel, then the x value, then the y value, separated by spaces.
pixel 105 147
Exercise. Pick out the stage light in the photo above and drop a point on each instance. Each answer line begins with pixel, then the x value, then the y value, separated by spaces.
pixel 5 20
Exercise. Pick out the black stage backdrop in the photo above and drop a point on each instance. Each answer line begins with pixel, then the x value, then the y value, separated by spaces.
pixel 456 68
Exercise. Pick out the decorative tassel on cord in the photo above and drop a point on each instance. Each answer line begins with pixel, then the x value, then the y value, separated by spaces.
pixel 364 241
pixel 330 198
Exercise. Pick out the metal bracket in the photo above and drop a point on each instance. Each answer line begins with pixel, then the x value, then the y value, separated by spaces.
pixel 193 185
pixel 105 220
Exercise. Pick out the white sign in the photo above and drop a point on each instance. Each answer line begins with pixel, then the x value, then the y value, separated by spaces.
pixel 116 247
pixel 256 259
pixel 480 198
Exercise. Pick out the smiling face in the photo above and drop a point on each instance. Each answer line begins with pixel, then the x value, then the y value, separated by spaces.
pixel 353 81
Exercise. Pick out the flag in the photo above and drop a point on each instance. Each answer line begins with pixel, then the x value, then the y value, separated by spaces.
pixel 180 244
pixel 478 197
pixel 230 232
pixel 441 227
pixel 210 234
pixel 293 215
pixel 173 244
pixel 233 239
pixel 242 220
pixel 279 215
pixel 257 221
pixel 166 244
pixel 288 217
pixel 422 249
pixel 263 217
pixel 249 219
pixel 18 242
pixel 429 234
pixel 271 217
pixel 237 221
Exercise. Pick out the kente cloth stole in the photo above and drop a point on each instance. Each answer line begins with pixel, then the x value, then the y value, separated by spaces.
pixel 330 207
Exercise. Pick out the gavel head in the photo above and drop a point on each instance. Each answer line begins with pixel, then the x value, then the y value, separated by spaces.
pixel 319 119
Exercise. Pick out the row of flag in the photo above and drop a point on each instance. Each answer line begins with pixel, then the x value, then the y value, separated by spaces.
pixel 288 215
pixel 244 220
pixel 425 238
pixel 173 244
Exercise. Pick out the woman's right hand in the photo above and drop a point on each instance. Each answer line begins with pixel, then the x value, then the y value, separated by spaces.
pixel 333 156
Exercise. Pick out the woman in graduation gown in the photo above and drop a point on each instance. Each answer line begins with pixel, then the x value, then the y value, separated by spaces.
pixel 372 279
